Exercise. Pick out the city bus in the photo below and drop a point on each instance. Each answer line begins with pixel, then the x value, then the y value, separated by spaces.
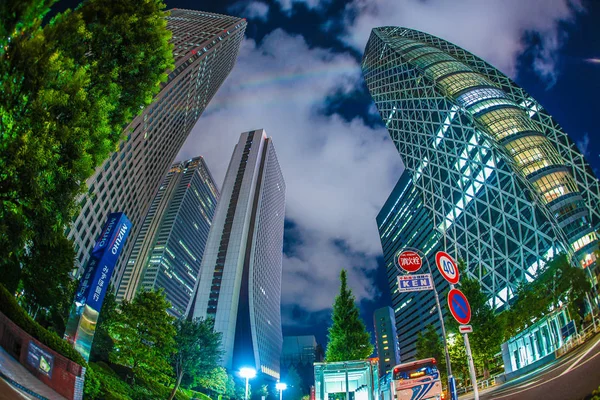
pixel 417 380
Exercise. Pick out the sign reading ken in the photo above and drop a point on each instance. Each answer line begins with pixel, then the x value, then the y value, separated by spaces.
pixel 413 283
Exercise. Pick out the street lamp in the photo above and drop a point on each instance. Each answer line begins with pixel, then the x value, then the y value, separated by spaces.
pixel 281 387
pixel 247 373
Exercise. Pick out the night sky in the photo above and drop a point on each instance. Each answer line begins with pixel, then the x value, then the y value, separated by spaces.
pixel 298 77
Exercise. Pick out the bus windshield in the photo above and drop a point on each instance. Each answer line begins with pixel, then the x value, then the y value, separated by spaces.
pixel 417 380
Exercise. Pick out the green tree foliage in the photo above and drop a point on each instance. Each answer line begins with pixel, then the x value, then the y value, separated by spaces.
pixel 103 344
pixel 198 349
pixel 144 337
pixel 429 344
pixel 294 381
pixel 458 358
pixel 560 282
pixel 348 337
pixel 215 381
pixel 488 328
pixel 68 89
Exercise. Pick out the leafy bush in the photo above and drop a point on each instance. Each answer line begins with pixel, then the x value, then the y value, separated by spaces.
pixel 91 388
pixel 111 386
pixel 14 312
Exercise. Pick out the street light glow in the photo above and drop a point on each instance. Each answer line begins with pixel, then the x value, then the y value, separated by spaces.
pixel 247 372
pixel 281 386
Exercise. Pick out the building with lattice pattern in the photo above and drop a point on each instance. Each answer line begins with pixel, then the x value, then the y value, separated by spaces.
pixel 240 277
pixel 205 50
pixel 504 186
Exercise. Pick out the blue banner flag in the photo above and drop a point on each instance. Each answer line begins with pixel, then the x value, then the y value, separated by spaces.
pixel 100 266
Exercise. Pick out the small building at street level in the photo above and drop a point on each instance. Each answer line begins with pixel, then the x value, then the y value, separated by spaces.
pixel 353 380
pixel 491 177
pixel 240 282
pixel 386 339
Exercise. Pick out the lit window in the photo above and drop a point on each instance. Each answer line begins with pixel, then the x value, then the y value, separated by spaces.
pixel 585 240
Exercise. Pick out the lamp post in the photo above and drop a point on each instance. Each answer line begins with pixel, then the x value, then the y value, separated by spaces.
pixel 281 387
pixel 247 373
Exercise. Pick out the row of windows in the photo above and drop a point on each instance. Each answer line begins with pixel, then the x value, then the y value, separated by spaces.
pixel 454 84
pixel 555 185
pixel 504 122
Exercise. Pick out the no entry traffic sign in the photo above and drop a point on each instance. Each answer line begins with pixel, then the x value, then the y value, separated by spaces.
pixel 447 267
pixel 410 261
pixel 459 306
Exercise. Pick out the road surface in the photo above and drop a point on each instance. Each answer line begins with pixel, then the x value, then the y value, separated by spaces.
pixel 571 377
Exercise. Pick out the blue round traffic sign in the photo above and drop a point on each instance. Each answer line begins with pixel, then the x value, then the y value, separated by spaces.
pixel 459 306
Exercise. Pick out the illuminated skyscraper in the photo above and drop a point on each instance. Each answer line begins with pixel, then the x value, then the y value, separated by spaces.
pixel 503 185
pixel 240 282
pixel 205 50
pixel 168 249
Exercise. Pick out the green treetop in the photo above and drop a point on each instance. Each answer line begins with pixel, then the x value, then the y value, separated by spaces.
pixel 294 385
pixel 488 327
pixel 198 349
pixel 429 345
pixel 143 337
pixel 67 89
pixel 559 283
pixel 348 337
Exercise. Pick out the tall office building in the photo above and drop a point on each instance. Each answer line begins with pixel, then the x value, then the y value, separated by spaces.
pixel 299 353
pixel 205 49
pixel 168 249
pixel 502 182
pixel 240 283
pixel 403 223
pixel 300 350
pixel 502 185
pixel 386 339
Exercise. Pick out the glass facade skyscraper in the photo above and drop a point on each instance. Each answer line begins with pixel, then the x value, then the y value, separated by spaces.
pixel 168 250
pixel 502 183
pixel 240 283
pixel 205 50
pixel 404 222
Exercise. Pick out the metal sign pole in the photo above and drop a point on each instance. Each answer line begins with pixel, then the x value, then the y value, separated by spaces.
pixel 451 384
pixel 471 366
pixel 441 316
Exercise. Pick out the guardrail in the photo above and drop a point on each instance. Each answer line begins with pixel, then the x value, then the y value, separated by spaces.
pixel 480 384
pixel 577 340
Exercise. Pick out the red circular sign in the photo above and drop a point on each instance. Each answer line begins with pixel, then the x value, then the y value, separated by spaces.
pixel 410 261
pixel 447 267
pixel 459 306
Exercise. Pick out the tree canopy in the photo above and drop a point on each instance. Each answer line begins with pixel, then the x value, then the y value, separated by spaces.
pixel 198 349
pixel 488 327
pixel 68 89
pixel 348 337
pixel 559 283
pixel 143 335
pixel 429 344
pixel 294 381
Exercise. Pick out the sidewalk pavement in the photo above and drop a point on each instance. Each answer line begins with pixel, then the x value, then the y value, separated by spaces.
pixel 14 371
pixel 9 392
